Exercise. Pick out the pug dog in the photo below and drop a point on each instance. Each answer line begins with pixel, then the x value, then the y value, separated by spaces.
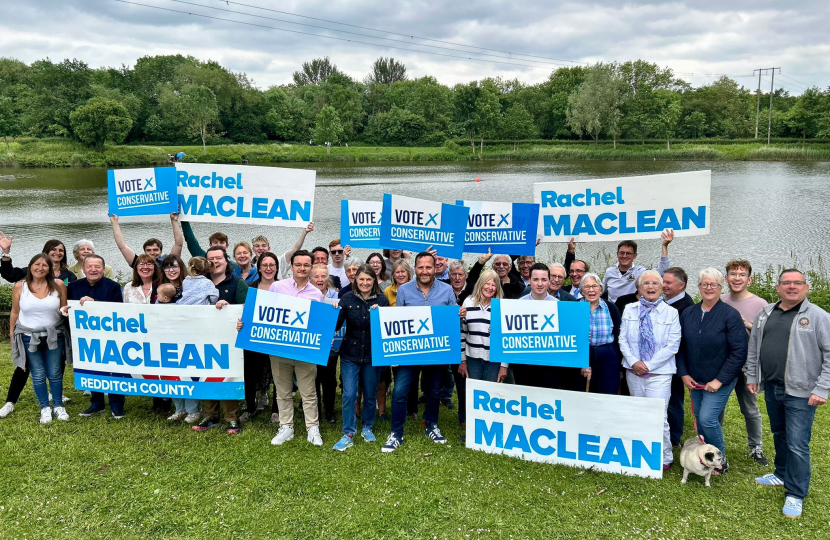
pixel 700 458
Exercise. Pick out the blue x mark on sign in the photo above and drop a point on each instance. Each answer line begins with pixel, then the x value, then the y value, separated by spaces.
pixel 423 325
pixel 432 219
pixel 503 219
pixel 549 321
pixel 299 317
pixel 148 183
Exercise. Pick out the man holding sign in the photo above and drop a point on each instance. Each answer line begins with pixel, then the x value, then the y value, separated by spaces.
pixel 423 291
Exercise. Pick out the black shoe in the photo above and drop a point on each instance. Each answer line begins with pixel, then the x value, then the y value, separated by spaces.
pixel 463 439
pixel 92 410
pixel 422 399
pixel 758 455
pixel 448 404
pixel 383 418
pixel 207 423
pixel 234 428
pixel 330 419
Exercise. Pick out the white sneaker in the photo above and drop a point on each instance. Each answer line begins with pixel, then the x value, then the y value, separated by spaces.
pixel 60 414
pixel 192 417
pixel 284 435
pixel 314 436
pixel 46 415
pixel 66 399
pixel 87 393
pixel 176 416
pixel 7 409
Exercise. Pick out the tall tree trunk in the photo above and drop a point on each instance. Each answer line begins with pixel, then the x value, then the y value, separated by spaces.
pixel 615 142
pixel 481 148
pixel 668 143
pixel 203 131
pixel 8 150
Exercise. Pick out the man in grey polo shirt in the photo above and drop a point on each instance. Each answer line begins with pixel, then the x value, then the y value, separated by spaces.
pixel 789 359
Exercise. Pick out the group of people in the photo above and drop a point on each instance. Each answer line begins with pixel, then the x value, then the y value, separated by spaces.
pixel 647 338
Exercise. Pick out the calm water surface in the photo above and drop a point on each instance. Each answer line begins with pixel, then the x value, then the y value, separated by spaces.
pixel 770 213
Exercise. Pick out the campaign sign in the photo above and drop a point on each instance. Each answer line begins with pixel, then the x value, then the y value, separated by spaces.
pixel 415 336
pixel 540 333
pixel 502 227
pixel 142 192
pixel 613 209
pixel 159 351
pixel 360 224
pixel 286 326
pixel 245 194
pixel 416 224
pixel 340 333
pixel 616 434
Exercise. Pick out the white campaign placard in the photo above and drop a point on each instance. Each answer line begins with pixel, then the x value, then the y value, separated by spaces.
pixel 245 194
pixel 636 207
pixel 617 434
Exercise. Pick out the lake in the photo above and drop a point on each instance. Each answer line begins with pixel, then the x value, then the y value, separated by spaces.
pixel 772 213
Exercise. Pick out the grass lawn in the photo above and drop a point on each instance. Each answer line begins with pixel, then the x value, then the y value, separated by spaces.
pixel 144 478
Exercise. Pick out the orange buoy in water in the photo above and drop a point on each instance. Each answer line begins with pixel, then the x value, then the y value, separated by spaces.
pixel 478 179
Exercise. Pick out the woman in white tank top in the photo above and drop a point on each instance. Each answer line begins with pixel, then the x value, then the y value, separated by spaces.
pixel 36 303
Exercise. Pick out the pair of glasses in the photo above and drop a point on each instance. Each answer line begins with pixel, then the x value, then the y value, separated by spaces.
pixel 268 266
pixel 170 267
pixel 625 254
pixel 709 285
pixel 788 283
pixel 146 265
pixel 336 251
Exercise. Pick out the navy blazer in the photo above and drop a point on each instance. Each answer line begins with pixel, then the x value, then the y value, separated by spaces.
pixel 354 310
pixel 714 347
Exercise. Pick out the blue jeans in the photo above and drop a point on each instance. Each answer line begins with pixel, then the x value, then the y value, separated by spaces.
pixel 369 375
pixel 447 384
pixel 190 406
pixel 708 407
pixel 483 371
pixel 45 363
pixel 405 376
pixel 791 423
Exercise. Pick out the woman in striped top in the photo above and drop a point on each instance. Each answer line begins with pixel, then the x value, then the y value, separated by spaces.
pixel 475 331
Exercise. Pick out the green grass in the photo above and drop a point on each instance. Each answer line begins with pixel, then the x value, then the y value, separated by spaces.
pixel 143 478
pixel 28 152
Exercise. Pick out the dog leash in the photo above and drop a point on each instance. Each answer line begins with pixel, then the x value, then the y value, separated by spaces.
pixel 694 419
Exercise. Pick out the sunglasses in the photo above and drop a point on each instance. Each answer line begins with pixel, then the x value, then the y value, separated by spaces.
pixel 336 251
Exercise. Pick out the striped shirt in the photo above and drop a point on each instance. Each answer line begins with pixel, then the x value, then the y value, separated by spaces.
pixel 475 332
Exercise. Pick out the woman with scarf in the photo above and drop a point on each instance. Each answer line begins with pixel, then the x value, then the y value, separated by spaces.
pixel 649 339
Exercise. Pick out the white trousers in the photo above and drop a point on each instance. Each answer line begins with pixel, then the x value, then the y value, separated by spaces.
pixel 654 386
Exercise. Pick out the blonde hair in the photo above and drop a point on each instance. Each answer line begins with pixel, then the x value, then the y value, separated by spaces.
pixel 318 266
pixel 397 264
pixel 486 276
pixel 166 289
pixel 244 244
pixel 199 266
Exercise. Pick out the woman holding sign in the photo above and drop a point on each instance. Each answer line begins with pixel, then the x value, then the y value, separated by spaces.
pixel 649 339
pixel 475 332
pixel 603 337
pixel 356 354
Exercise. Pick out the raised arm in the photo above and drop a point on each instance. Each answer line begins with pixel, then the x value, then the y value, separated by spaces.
pixel 665 264
pixel 570 256
pixel 178 237
pixel 192 244
pixel 7 271
pixel 126 251
pixel 298 245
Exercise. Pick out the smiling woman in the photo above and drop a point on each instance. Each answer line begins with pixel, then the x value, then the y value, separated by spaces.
pixel 146 277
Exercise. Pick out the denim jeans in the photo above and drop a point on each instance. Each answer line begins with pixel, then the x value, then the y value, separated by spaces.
pixel 707 407
pixel 45 363
pixel 190 406
pixel 483 371
pixel 369 376
pixel 447 385
pixel 405 376
pixel 791 423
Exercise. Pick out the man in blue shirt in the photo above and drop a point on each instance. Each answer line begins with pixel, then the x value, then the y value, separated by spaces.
pixel 424 290
pixel 97 288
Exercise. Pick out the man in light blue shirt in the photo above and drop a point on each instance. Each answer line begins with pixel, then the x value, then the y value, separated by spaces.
pixel 621 279
pixel 424 290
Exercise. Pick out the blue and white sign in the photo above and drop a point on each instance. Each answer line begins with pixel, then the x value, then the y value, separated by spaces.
pixel 502 227
pixel 415 336
pixel 159 351
pixel 613 209
pixel 416 224
pixel 540 333
pixel 340 333
pixel 245 194
pixel 142 192
pixel 281 325
pixel 616 434
pixel 360 224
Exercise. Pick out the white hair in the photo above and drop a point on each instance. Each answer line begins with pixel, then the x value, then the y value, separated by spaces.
pixel 352 261
pixel 458 264
pixel 586 277
pixel 81 243
pixel 653 273
pixel 711 273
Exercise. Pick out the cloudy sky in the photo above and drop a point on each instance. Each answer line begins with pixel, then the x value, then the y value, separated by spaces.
pixel 455 41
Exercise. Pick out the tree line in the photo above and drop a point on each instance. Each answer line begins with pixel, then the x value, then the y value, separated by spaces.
pixel 178 98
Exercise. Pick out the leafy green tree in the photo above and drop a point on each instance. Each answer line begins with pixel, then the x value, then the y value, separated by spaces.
pixel 397 127
pixel 386 71
pixel 477 112
pixel 101 120
pixel 194 110
pixel 328 127
pixel 805 115
pixel 695 124
pixel 286 116
pixel 56 91
pixel 728 109
pixel 594 107
pixel 518 124
pixel 668 110
pixel 315 72
pixel 9 121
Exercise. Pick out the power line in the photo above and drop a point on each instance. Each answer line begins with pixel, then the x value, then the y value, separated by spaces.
pixel 326 37
pixel 794 81
pixel 348 32
pixel 400 34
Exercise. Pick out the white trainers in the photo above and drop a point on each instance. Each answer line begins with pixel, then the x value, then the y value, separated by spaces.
pixel 314 436
pixel 284 435
pixel 46 415
pixel 60 414
pixel 192 417
pixel 87 393
pixel 7 409
pixel 176 416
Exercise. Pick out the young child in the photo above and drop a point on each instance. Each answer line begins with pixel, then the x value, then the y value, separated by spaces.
pixel 165 293
pixel 197 288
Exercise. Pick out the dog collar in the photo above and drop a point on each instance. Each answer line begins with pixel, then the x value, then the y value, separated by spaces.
pixel 701 461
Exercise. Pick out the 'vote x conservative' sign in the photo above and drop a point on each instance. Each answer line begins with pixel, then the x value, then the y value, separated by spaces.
pixel 415 336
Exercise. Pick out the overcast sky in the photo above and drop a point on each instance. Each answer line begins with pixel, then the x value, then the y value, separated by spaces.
pixel 698 39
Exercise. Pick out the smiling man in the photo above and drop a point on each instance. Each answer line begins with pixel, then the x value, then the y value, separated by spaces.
pixel 620 279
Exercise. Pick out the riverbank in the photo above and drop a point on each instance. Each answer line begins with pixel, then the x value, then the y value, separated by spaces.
pixel 29 152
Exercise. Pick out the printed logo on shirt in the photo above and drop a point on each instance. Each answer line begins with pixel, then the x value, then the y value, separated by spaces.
pixel 804 321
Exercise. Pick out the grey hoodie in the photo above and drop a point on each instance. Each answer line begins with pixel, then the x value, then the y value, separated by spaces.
pixel 808 355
